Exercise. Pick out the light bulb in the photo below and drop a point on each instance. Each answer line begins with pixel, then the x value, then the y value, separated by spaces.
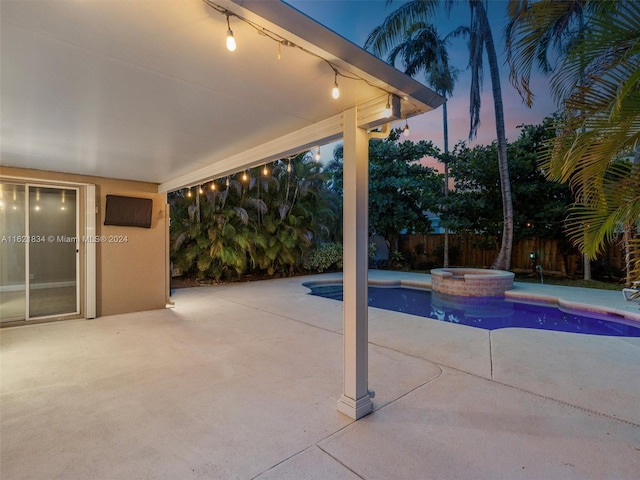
pixel 200 191
pixel 189 193
pixel 405 130
pixel 227 182
pixel 318 155
pixel 213 186
pixel 335 92
pixel 289 167
pixel 245 177
pixel 387 110
pixel 231 41
pixel 265 171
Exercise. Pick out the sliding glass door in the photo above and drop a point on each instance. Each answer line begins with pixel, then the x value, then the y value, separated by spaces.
pixel 53 251
pixel 13 292
pixel 39 252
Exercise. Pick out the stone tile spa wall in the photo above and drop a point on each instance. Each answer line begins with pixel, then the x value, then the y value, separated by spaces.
pixel 471 282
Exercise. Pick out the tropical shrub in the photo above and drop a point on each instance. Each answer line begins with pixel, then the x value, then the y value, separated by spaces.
pixel 329 256
pixel 264 222
pixel 325 257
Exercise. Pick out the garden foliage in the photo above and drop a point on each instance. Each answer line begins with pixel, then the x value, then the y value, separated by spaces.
pixel 401 189
pixel 264 225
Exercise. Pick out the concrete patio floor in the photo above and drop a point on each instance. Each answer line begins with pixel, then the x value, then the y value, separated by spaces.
pixel 241 381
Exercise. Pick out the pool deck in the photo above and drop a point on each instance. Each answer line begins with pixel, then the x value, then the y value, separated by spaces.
pixel 241 381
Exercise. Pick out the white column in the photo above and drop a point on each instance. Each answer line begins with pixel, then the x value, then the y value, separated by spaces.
pixel 355 400
pixel 90 252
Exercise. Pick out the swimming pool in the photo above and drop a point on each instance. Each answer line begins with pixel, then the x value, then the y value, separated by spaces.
pixel 489 313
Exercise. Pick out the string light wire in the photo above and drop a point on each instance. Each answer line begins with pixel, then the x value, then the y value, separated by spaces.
pixel 231 41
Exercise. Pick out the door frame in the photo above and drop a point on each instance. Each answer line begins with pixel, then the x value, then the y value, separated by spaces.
pixel 86 264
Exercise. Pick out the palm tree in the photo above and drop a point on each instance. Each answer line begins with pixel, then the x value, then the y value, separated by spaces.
pixel 298 215
pixel 264 222
pixel 423 50
pixel 533 30
pixel 391 33
pixel 597 85
pixel 214 238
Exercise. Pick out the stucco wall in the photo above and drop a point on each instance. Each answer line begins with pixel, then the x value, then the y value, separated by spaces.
pixel 131 272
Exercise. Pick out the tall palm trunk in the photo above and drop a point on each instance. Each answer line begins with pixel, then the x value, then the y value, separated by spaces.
pixel 626 238
pixel 503 261
pixel 445 128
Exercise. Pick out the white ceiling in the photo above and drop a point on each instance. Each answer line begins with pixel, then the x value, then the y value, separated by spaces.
pixel 146 90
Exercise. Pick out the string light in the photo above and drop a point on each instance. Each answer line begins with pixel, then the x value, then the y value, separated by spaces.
pixel 231 41
pixel 335 91
pixel 387 110
pixel 200 190
pixel 213 186
pixel 405 130
pixel 231 45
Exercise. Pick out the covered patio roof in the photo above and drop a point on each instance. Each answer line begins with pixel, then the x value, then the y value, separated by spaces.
pixel 146 90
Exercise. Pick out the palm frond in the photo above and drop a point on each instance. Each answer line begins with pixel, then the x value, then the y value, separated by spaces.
pixel 242 215
pixel 533 29
pixel 382 39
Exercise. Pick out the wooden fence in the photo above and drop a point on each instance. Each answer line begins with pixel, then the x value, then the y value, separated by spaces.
pixel 425 251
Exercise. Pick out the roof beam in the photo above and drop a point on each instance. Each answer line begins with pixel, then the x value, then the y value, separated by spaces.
pixel 370 115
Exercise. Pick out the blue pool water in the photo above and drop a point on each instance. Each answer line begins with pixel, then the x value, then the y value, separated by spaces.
pixel 488 313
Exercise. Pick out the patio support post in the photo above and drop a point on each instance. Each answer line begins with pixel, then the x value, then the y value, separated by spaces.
pixel 355 400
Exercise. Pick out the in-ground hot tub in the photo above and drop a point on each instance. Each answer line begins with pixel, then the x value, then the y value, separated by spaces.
pixel 471 282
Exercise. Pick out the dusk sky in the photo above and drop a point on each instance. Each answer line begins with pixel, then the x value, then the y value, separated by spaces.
pixel 354 19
